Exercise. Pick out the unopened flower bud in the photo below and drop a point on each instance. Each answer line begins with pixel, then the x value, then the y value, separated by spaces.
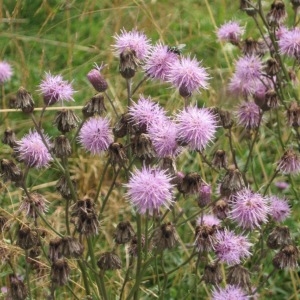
pixel 62 146
pixel 97 80
pixel 95 106
pixel 109 261
pixel 204 197
pixel 24 101
pixel 66 120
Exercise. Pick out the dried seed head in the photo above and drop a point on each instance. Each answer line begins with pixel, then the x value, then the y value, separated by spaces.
pixel 293 114
pixel 221 209
pixel 34 252
pixel 271 67
pixel 27 238
pixel 9 138
pixel 62 146
pixel 279 237
pixel 117 155
pixel 251 47
pixel 123 126
pixel 55 249
pixel 133 247
pixel 287 258
pixel 219 159
pixel 60 272
pixel 109 261
pixel 205 237
pixel 295 3
pixel 225 118
pixel 63 188
pixel 128 63
pixel 165 237
pixel 18 289
pixel 71 247
pixel 142 146
pixel 247 6
pixel 239 276
pixel 24 101
pixel 124 233
pixel 277 15
pixel 232 182
pixel 66 120
pixel 10 171
pixel 95 106
pixel 34 205
pixel 213 274
pixel 190 184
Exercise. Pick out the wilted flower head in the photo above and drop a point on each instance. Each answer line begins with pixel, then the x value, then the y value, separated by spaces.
pixel 163 135
pixel 289 43
pixel 230 32
pixel 249 209
pixel 196 127
pixel 5 71
pixel 159 61
pixel 54 89
pixel 32 151
pixel 149 189
pixel 96 135
pixel 287 258
pixel 188 76
pixel 34 204
pixel 231 248
pixel 248 115
pixel 230 292
pixel 213 273
pixel 277 15
pixel 279 209
pixel 145 112
pixel 109 261
pixel 134 41
pixel 289 163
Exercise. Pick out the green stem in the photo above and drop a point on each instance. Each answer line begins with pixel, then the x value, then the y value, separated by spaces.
pixel 270 181
pixel 112 104
pixel 101 181
pixel 139 256
pixel 84 277
pixel 27 275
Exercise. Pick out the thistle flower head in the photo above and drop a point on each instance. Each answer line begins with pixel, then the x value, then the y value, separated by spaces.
pixel 289 163
pixel 231 248
pixel 289 43
pixel 279 209
pixel 149 189
pixel 230 32
pixel 134 41
pixel 32 150
pixel 188 76
pixel 230 292
pixel 96 78
pixel 159 61
pixel 5 71
pixel 248 115
pixel 54 89
pixel 208 220
pixel 96 135
pixel 196 127
pixel 249 209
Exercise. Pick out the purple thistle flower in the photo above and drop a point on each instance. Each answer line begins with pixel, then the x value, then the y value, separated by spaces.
pixel 204 196
pixel 163 135
pixel 146 112
pixel 96 135
pixel 279 209
pixel 133 40
pixel 32 151
pixel 282 185
pixel 289 163
pixel 54 89
pixel 249 209
pixel 196 127
pixel 5 71
pixel 208 220
pixel 230 292
pixel 248 115
pixel 159 61
pixel 289 42
pixel 230 32
pixel 231 248
pixel 149 189
pixel 96 78
pixel 188 76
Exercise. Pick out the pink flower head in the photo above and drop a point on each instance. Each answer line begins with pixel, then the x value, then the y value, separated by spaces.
pixel 196 127
pixel 281 185
pixel 96 78
pixel 5 71
pixel 149 189
pixel 230 32
pixel 208 220
pixel 134 40
pixel 231 248
pixel 289 42
pixel 230 292
pixel 145 112
pixel 159 61
pixel 279 209
pixel 163 135
pixel 54 89
pixel 204 196
pixel 32 150
pixel 289 163
pixel 96 135
pixel 188 76
pixel 249 209
pixel 248 115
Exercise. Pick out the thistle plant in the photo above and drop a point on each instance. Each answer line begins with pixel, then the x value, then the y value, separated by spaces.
pixel 196 190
